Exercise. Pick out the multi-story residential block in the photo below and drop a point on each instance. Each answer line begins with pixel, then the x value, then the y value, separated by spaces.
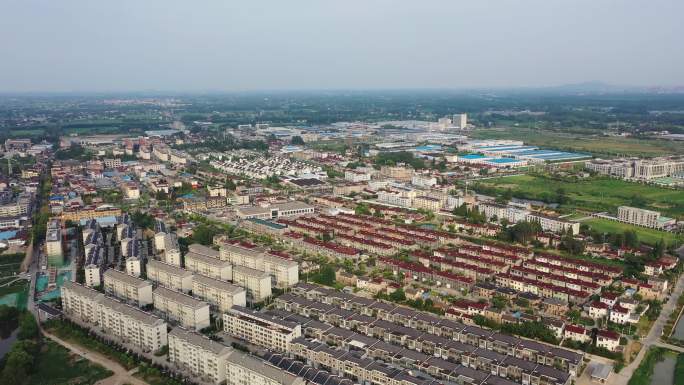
pixel 127 288
pixel 396 172
pixel 172 254
pixel 642 217
pixel 53 243
pixel 356 176
pixel 95 262
pixel 256 282
pixel 90 213
pixel 197 355
pixel 497 211
pixel 189 312
pixel 243 369
pixel 221 295
pixel 427 203
pixel 169 276
pixel 260 329
pixel 556 225
pixel 133 266
pixel 423 181
pixel 206 261
pixel 112 162
pixel 284 272
pixel 127 323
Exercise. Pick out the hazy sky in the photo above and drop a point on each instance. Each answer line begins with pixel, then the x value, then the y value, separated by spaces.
pixel 194 45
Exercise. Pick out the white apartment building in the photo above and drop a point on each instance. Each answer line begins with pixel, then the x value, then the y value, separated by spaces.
pixel 395 198
pixel 243 369
pixel 284 273
pixel 172 254
pixel 221 295
pixel 207 261
pixel 427 203
pixel 112 162
pixel 423 181
pixel 197 355
pixel 169 276
pixel 21 207
pixel 511 213
pixel 94 264
pixel 127 288
pixel 133 266
pixel 53 243
pixel 259 329
pixel 556 225
pixel 257 283
pixel 639 217
pixel 356 176
pixel 460 121
pixel 189 312
pixel 129 324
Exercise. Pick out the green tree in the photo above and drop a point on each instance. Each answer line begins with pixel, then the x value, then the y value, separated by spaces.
pixel 28 328
pixel 398 295
pixel 297 140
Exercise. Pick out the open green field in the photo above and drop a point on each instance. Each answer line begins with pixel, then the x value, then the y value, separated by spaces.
pixel 15 294
pixel 594 144
pixel 649 236
pixel 55 365
pixel 591 195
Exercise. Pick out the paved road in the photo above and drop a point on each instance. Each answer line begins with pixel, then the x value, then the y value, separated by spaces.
pixel 653 337
pixel 120 376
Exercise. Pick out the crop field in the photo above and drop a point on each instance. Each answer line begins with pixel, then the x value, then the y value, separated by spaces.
pixel 591 195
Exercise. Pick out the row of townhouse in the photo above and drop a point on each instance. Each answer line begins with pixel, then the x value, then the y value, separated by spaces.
pixel 315 246
pixel 360 235
pixel 568 271
pixel 579 264
pixel 556 279
pixel 482 229
pixel 370 310
pixel 422 273
pixel 543 289
pixel 387 339
pixel 453 255
pixel 129 324
pixel 494 250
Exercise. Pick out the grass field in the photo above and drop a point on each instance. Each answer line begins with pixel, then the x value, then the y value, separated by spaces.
pixel 55 365
pixel 645 235
pixel 594 144
pixel 595 194
pixel 15 294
